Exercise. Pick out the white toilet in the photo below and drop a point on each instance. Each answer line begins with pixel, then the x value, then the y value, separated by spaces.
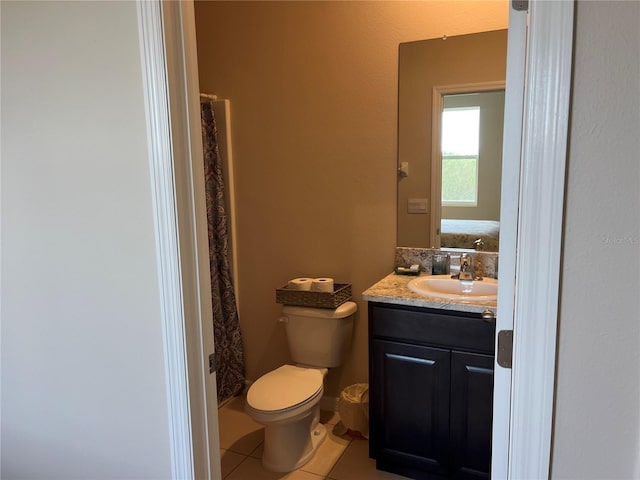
pixel 286 400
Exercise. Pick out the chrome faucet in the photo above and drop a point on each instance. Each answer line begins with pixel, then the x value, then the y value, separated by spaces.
pixel 466 269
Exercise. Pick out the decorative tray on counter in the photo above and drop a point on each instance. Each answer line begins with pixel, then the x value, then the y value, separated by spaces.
pixel 306 298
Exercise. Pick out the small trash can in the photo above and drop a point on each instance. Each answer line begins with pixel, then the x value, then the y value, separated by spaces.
pixel 353 407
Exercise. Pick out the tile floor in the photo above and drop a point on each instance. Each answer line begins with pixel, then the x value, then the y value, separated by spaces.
pixel 339 457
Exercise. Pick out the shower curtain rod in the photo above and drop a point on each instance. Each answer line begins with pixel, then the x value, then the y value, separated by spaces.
pixel 208 97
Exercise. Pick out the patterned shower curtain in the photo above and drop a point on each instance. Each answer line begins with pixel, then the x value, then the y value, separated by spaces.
pixel 229 353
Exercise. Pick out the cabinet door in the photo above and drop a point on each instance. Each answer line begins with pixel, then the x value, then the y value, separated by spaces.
pixel 471 415
pixel 410 407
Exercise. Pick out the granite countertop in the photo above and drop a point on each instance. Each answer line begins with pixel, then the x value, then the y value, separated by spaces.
pixel 393 289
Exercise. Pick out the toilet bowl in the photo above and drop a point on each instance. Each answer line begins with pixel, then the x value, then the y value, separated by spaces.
pixel 286 400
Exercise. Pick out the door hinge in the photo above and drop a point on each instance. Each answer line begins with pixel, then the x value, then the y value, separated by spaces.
pixel 212 363
pixel 520 5
pixel 505 348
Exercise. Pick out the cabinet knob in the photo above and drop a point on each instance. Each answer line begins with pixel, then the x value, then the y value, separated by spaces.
pixel 489 316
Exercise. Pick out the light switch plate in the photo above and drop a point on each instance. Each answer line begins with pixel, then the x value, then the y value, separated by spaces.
pixel 418 205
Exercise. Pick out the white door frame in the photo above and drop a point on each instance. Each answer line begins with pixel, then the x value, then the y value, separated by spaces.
pixel 530 304
pixel 172 101
pixel 539 239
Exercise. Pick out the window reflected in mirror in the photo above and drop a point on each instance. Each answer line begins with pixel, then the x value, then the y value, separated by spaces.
pixel 460 145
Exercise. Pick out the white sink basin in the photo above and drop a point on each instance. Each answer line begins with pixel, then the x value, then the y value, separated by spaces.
pixel 443 286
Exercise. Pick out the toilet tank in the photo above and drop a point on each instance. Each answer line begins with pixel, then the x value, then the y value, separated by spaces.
pixel 319 337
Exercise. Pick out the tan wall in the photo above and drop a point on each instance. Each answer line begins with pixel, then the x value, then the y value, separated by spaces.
pixel 455 61
pixel 313 90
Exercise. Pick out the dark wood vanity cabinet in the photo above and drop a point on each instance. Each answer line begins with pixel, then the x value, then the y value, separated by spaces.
pixel 431 392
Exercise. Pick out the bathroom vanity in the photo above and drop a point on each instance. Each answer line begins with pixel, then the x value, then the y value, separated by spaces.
pixel 431 383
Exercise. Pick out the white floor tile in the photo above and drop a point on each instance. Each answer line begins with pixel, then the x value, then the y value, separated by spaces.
pixel 355 464
pixel 338 458
pixel 229 461
pixel 238 432
pixel 252 469
pixel 327 454
pixel 257 453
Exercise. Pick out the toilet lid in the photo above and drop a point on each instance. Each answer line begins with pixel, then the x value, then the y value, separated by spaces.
pixel 284 387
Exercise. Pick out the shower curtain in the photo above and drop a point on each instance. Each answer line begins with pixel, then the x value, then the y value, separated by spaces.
pixel 229 353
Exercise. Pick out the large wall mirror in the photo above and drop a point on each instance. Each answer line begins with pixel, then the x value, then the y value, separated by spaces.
pixel 450 121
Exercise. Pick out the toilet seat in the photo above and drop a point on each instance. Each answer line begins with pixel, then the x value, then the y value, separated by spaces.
pixel 285 388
